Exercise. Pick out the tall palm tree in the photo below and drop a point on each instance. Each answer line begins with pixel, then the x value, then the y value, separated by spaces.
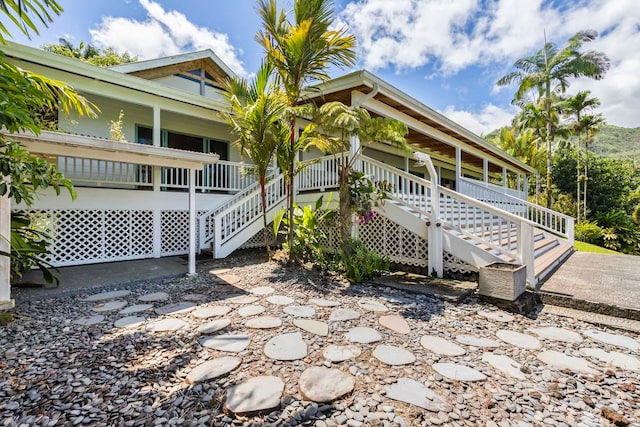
pixel 548 71
pixel 591 123
pixel 301 52
pixel 256 117
pixel 20 12
pixel 522 145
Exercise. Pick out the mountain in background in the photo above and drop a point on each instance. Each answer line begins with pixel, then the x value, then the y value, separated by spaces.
pixel 617 142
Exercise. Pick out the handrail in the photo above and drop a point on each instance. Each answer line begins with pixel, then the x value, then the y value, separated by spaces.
pixel 320 173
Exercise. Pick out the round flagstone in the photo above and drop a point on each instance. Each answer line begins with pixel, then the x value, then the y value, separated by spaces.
pixel 181 307
pixel 214 326
pixel 250 310
pixel 263 322
pixel 104 296
pixel 441 346
pixel 320 384
pixel 255 395
pixel 504 364
pixel 167 325
pixel 314 326
pixel 412 392
pixel 518 339
pixel 136 308
pixel 324 302
pixel 300 310
pixel 231 279
pixel 612 339
pixel 262 290
pixel 129 322
pixel 373 305
pixel 392 355
pixel 343 314
pixel 212 311
pixel 232 343
pixel 458 372
pixel 109 306
pixel 363 335
pixel 213 369
pixel 613 358
pixel 286 347
pixel 557 334
pixel 562 361
pixel 194 297
pixel 153 297
pixel 242 299
pixel 280 300
pixel 395 323
pixel 89 320
pixel 477 341
pixel 498 316
pixel 340 353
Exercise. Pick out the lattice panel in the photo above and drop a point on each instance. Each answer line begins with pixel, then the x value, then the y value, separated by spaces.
pixel 331 240
pixel 454 264
pixel 141 233
pixel 78 236
pixel 257 240
pixel 174 228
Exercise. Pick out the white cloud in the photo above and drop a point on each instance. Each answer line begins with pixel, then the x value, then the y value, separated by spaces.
pixel 490 118
pixel 163 33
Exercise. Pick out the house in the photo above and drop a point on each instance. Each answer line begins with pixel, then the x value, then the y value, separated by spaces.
pixel 179 185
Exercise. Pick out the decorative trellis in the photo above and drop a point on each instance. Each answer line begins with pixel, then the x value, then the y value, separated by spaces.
pixel 174 229
pixel 453 264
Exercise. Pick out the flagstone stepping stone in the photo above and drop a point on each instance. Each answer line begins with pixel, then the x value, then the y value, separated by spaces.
pixel 129 322
pixel 89 320
pixel 167 325
pixel 324 302
pixel 518 339
pixel 286 347
pixel 230 279
pixel 314 326
pixel 194 297
pixel 441 346
pixel 497 316
pixel 280 300
pixel 213 369
pixel 373 305
pixel 262 290
pixel 257 394
pixel 612 339
pixel 136 308
pixel 242 299
pixel 104 296
pixel 232 343
pixel 109 306
pixel 392 355
pixel 212 311
pixel 477 341
pixel 181 307
pixel 219 271
pixel 557 334
pixel 340 353
pixel 363 335
pixel 343 314
pixel 300 310
pixel 263 322
pixel 458 372
pixel 250 310
pixel 412 392
pixel 613 358
pixel 214 326
pixel 562 361
pixel 504 364
pixel 320 384
pixel 156 296
pixel 395 323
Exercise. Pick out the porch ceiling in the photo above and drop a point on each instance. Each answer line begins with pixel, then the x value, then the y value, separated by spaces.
pixel 183 68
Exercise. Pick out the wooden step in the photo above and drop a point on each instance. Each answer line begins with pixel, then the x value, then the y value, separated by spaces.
pixel 549 259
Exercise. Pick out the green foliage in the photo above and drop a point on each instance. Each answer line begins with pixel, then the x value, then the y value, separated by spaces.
pixel 636 215
pixel 88 53
pixel 617 143
pixel 20 12
pixel 589 232
pixel 620 233
pixel 115 128
pixel 360 263
pixel 366 194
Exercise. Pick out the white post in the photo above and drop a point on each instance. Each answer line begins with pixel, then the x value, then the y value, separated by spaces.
pixel 504 178
pixel 157 142
pixel 5 262
pixel 526 252
pixel 157 233
pixel 458 167
pixel 485 170
pixel 434 239
pixel 525 189
pixel 354 150
pixel 192 221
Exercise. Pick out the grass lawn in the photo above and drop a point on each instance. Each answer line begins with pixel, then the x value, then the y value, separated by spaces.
pixel 587 247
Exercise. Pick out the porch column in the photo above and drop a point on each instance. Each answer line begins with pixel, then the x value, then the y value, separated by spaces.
pixel 157 142
pixel 192 221
pixel 525 187
pixel 458 167
pixel 485 170
pixel 504 177
pixel 5 236
pixel 354 150
pixel 406 164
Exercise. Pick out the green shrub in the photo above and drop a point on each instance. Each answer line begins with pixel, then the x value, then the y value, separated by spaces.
pixel 361 264
pixel 589 232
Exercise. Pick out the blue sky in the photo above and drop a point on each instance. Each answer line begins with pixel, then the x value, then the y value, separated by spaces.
pixel 447 54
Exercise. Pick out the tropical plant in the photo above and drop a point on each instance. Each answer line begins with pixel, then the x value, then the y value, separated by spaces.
pixel 360 263
pixel 549 71
pixel 591 124
pixel 589 232
pixel 256 117
pixel 88 53
pixel 115 128
pixel 301 51
pixel 619 231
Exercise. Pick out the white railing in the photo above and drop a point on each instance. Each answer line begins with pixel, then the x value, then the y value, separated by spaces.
pixel 468 185
pixel 321 173
pixel 98 172
pixel 221 176
pixel 546 219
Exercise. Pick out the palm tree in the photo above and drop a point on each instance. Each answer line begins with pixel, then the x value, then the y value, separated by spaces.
pixel 21 11
pixel 256 117
pixel 548 71
pixel 333 126
pixel 301 52
pixel 591 125
pixel 523 145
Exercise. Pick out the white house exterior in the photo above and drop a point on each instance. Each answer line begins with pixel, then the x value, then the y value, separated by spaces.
pixel 179 185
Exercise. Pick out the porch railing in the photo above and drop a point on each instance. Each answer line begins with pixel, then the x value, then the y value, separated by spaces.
pixel 468 186
pixel 99 172
pixel 221 176
pixel 320 174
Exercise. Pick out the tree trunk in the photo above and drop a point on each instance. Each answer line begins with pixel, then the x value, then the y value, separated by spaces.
pixel 291 166
pixel 263 195
pixel 549 141
pixel 346 221
pixel 578 197
pixel 586 175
